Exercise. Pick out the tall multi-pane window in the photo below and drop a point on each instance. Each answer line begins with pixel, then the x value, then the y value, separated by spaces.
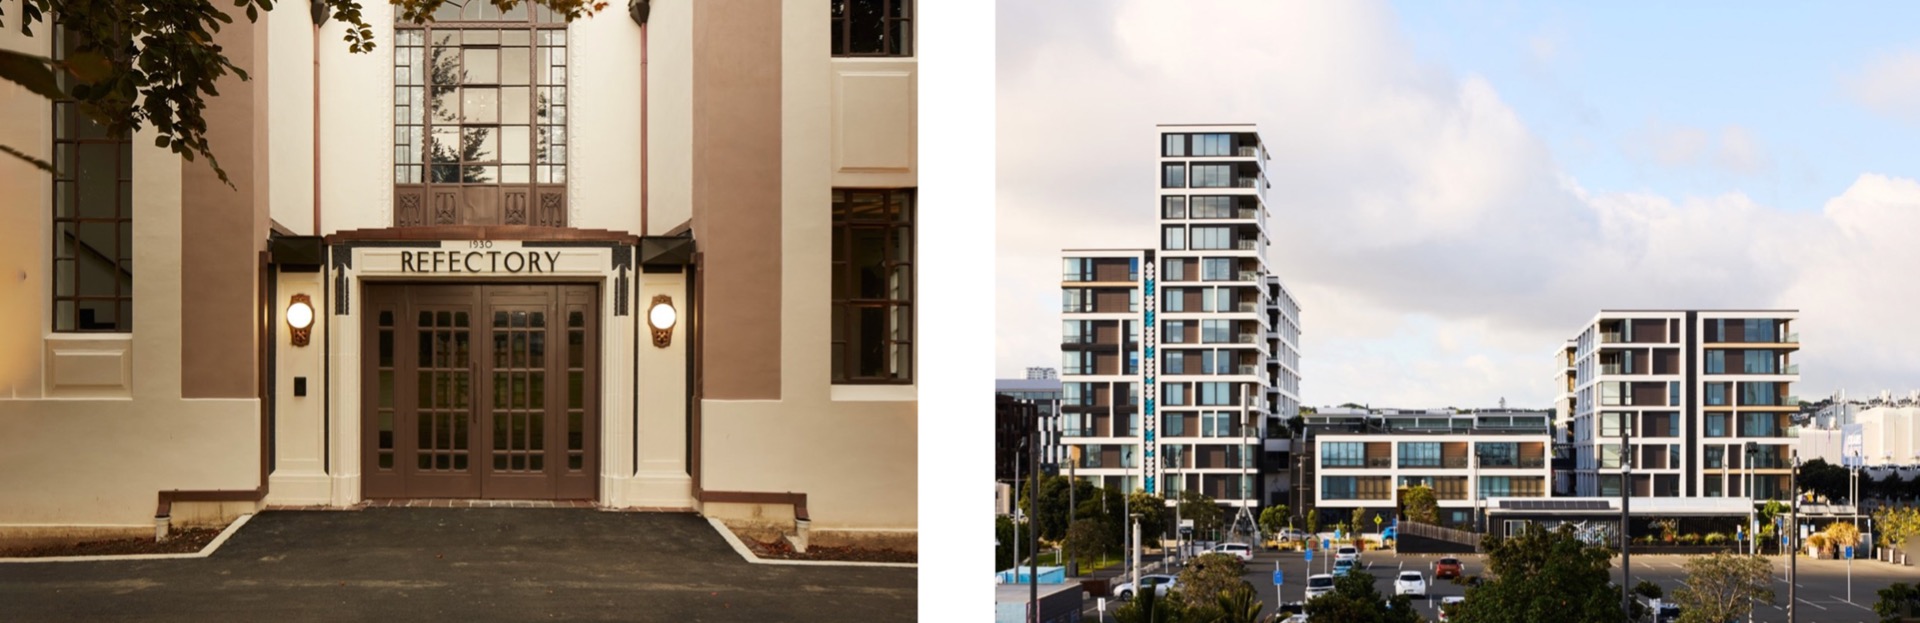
pixel 1173 206
pixel 1212 145
pixel 1212 238
pixel 92 215
pixel 1716 362
pixel 1174 238
pixel 1342 454
pixel 1212 176
pixel 1173 145
pixel 1419 454
pixel 480 117
pixel 1216 268
pixel 873 253
pixel 1173 175
pixel 1217 206
pixel 873 27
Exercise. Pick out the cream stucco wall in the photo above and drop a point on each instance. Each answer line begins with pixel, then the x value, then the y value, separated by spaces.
pixel 603 122
pixel 290 52
pixel 669 116
pixel 93 457
pixel 853 451
pixel 356 126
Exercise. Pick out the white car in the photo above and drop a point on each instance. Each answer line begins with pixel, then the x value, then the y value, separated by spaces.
pixel 1347 552
pixel 1158 582
pixel 1411 583
pixel 1446 602
pixel 1292 534
pixel 1319 584
pixel 1242 551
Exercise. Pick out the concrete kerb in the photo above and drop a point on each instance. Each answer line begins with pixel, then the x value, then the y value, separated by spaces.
pixel 740 547
pixel 204 552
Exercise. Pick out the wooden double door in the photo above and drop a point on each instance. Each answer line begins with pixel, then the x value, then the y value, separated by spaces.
pixel 480 391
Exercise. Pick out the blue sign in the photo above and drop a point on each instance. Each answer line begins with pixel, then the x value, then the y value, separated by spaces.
pixel 1324 543
pixel 1276 574
pixel 1276 577
pixel 1309 556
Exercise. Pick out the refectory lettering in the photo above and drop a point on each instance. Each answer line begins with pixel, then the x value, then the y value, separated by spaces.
pixel 479 261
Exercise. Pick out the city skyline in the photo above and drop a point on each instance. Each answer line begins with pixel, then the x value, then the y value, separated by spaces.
pixel 1445 215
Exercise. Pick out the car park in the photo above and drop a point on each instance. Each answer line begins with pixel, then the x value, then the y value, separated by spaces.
pixel 1158 582
pixel 1411 583
pixel 1447 603
pixel 1448 567
pixel 1319 584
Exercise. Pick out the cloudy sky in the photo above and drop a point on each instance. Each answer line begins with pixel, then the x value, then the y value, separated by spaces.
pixel 1459 186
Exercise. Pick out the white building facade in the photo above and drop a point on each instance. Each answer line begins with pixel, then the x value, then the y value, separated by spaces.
pixel 1177 359
pixel 1704 397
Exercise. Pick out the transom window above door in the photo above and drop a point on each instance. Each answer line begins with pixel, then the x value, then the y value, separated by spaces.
pixel 480 117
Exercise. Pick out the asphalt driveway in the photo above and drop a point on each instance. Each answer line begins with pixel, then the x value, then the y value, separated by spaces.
pixel 460 564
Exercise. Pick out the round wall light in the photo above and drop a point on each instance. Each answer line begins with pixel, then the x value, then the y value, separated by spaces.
pixel 661 316
pixel 300 318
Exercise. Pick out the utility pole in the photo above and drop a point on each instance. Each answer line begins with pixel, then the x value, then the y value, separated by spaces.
pixel 1626 497
pixel 1073 508
pixel 1032 417
pixel 1793 525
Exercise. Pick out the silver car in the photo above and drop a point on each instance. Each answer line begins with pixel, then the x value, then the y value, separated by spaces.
pixel 1159 582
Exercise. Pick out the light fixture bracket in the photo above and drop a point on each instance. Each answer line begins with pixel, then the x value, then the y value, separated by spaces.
pixel 662 336
pixel 301 335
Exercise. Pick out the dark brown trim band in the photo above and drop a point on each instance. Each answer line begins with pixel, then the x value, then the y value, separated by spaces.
pixel 484 232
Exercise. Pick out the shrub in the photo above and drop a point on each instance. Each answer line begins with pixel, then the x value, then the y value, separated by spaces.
pixel 1715 538
pixel 1689 539
pixel 1819 541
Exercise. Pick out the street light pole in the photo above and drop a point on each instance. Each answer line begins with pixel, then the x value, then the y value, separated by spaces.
pixel 1626 497
pixel 1033 536
pixel 1793 524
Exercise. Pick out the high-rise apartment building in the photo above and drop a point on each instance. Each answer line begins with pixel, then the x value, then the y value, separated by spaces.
pixel 1704 399
pixel 1175 358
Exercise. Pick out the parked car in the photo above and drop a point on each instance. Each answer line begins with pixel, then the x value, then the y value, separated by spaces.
pixel 1661 611
pixel 1342 567
pixel 1319 584
pixel 1292 534
pixel 1411 583
pixel 1446 603
pixel 1448 567
pixel 1242 551
pixel 1158 582
pixel 1348 553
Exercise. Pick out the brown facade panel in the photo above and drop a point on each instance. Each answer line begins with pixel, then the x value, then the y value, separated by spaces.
pixel 1649 331
pixel 1107 301
pixel 221 232
pixel 737 194
pixel 1113 269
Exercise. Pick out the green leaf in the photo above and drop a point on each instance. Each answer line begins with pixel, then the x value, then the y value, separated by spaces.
pixel 89 66
pixel 33 72
pixel 161 141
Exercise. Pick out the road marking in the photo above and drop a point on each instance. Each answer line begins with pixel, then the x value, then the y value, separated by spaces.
pixel 1813 604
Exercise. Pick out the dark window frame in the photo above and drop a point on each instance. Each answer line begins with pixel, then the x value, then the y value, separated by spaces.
pixel 69 123
pixel 896 225
pixel 896 29
pixel 422 199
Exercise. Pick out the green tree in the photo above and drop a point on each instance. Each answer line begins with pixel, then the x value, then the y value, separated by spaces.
pixel 1150 607
pixel 1361 520
pixel 1538 575
pixel 1153 515
pixel 1421 506
pixel 1208 577
pixel 1648 589
pixel 1896 525
pixel 1273 519
pixel 152 63
pixel 1203 510
pixel 1355 600
pixel 1898 602
pixel 1004 542
pixel 1723 587
pixel 1313 521
pixel 1087 539
pixel 1238 605
pixel 1832 481
pixel 1051 518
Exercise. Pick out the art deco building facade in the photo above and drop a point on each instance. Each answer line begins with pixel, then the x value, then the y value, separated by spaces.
pixel 660 261
pixel 1703 397
pixel 1176 358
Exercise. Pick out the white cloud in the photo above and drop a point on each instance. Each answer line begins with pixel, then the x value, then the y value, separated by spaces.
pixel 1732 149
pixel 1439 252
pixel 1888 85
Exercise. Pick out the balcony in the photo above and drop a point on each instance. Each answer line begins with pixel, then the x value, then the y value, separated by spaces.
pixel 1247 182
pixel 1247 151
pixel 1249 306
pixel 1247 245
pixel 1612 338
pixel 1248 338
pixel 1248 275
pixel 1246 213
pixel 1249 370
pixel 1792 368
